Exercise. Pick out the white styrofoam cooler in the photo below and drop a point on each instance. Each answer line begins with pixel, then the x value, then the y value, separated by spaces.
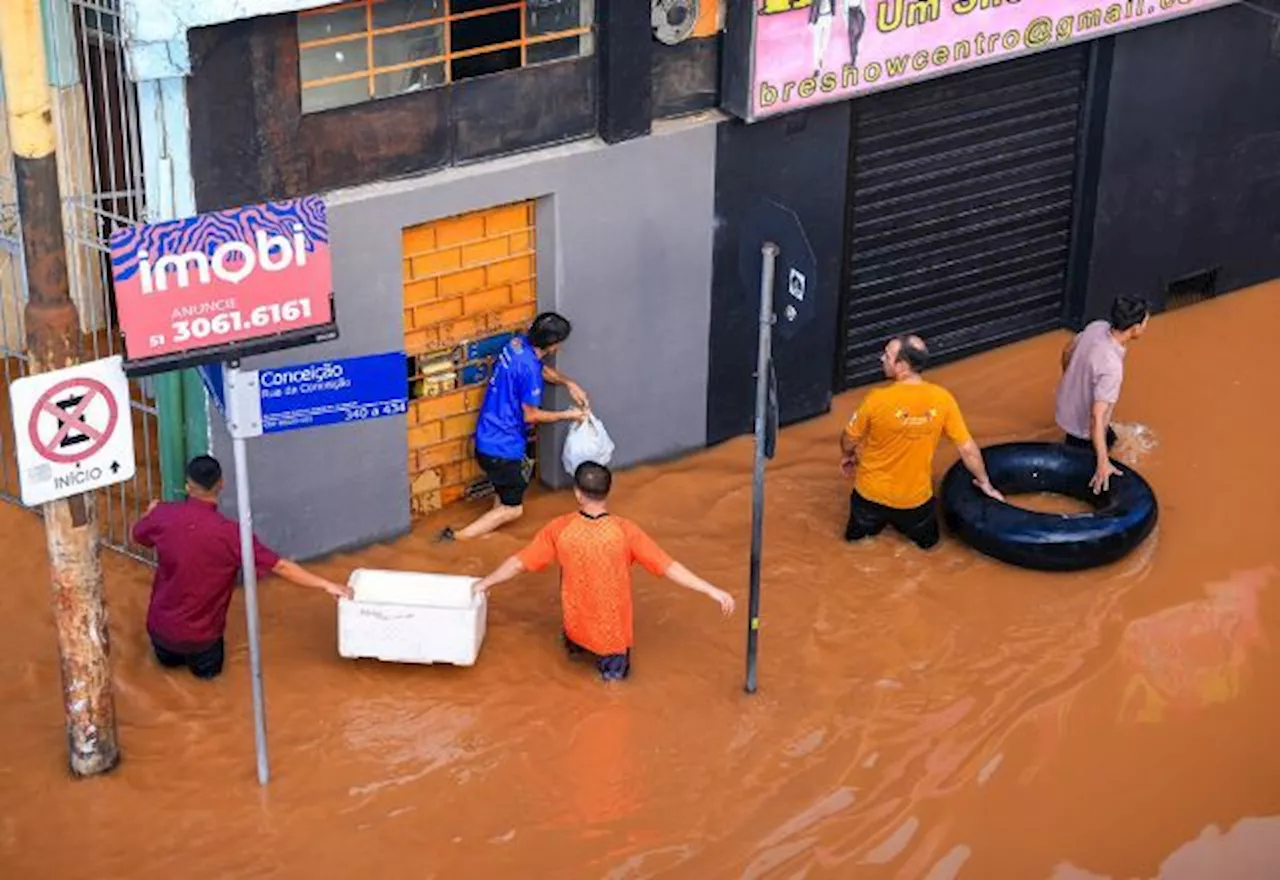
pixel 408 617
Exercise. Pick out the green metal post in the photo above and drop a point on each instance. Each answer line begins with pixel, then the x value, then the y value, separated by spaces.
pixel 173 444
pixel 195 414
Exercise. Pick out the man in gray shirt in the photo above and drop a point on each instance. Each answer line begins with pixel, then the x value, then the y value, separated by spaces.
pixel 1092 372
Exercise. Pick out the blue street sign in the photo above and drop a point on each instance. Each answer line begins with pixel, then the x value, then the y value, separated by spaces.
pixel 333 392
pixel 211 375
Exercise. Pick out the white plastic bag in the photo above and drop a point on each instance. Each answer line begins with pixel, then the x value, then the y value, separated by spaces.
pixel 587 441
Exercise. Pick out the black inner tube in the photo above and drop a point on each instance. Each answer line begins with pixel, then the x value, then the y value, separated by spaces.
pixel 1038 470
pixel 1120 519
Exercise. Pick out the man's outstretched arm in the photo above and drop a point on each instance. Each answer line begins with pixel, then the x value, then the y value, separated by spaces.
pixel 678 574
pixel 508 570
pixel 296 574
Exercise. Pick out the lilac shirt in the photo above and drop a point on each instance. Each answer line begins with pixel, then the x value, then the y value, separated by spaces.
pixel 1094 374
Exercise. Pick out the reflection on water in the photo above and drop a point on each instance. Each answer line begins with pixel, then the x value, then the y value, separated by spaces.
pixel 1250 850
pixel 1194 654
pixel 1049 502
pixel 921 715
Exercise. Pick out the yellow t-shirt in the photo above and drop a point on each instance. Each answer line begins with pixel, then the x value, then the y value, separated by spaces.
pixel 897 429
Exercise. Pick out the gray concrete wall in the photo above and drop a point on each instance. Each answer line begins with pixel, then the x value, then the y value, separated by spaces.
pixel 624 251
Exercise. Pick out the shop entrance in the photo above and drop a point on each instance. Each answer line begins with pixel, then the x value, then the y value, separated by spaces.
pixel 470 282
pixel 960 210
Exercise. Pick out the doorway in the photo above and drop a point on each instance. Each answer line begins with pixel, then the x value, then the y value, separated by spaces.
pixel 470 283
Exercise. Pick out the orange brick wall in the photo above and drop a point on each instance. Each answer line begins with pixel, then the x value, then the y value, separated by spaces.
pixel 466 279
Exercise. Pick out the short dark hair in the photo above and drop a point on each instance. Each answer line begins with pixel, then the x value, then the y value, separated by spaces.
pixel 205 472
pixel 593 480
pixel 1128 311
pixel 913 350
pixel 549 329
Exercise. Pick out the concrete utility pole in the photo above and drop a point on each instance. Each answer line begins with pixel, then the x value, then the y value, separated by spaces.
pixel 53 342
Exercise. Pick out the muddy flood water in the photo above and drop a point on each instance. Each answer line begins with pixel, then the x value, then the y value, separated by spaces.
pixel 920 716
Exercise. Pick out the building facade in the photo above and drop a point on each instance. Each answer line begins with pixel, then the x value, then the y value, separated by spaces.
pixel 932 167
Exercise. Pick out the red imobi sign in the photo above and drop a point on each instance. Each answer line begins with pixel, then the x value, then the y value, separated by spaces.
pixel 225 284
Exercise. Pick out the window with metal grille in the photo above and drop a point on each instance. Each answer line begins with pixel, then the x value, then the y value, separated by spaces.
pixel 359 51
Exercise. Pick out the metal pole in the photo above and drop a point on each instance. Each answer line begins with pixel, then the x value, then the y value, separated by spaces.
pixel 53 342
pixel 769 255
pixel 249 568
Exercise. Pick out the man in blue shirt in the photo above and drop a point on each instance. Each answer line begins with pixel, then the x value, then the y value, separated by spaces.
pixel 512 402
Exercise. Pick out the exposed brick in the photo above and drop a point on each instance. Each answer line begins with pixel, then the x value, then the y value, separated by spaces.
pixel 449 452
pixel 509 218
pixel 423 435
pixel 417 341
pixel 438 263
pixel 516 317
pixel 471 470
pixel 524 292
pixel 517 269
pixel 418 239
pixel 484 252
pixel 460 426
pixel 430 408
pixel 520 242
pixel 430 315
pixel 455 332
pixel 474 398
pixel 462 282
pixel 451 474
pixel 421 341
pixel 460 230
pixel 417 293
pixel 458 288
pixel 493 299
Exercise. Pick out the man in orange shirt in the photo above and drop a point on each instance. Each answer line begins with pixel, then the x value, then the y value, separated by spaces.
pixel 889 444
pixel 595 551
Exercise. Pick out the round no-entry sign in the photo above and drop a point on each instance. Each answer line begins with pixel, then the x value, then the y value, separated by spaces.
pixel 73 420
pixel 71 429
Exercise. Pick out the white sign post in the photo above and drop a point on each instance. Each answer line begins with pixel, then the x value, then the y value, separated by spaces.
pixel 244 420
pixel 73 430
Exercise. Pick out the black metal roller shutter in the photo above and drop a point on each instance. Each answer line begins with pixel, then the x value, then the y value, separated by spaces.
pixel 960 208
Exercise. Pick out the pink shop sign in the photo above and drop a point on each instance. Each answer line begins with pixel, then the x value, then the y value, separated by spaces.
pixel 783 55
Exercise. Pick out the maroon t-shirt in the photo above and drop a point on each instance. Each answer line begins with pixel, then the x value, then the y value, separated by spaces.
pixel 198 552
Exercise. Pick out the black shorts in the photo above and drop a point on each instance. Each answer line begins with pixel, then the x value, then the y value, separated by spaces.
pixel 1073 440
pixel 867 518
pixel 203 664
pixel 509 478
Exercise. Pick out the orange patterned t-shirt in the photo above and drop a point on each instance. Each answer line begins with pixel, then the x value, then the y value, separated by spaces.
pixel 595 556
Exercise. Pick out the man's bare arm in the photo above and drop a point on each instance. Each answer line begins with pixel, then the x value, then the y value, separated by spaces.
pixel 1100 419
pixel 296 574
pixel 971 455
pixel 555 377
pixel 535 416
pixel 678 574
pixel 508 570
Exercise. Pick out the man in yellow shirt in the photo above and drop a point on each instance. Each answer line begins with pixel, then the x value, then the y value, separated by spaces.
pixel 889 444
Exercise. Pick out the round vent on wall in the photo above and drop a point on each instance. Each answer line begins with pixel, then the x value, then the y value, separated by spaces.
pixel 674 20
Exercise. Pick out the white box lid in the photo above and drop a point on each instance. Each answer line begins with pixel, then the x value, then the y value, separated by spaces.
pixel 412 588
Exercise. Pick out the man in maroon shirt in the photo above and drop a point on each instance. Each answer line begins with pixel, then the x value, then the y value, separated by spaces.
pixel 198 552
